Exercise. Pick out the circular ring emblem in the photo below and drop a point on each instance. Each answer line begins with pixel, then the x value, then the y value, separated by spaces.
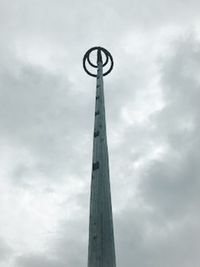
pixel 108 58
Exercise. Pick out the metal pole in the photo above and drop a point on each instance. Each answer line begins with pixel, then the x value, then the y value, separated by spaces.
pixel 101 249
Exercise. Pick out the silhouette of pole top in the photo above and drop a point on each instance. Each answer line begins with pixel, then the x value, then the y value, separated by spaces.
pixel 100 50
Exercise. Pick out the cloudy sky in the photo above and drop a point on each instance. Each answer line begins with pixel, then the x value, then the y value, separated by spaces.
pixel 46 123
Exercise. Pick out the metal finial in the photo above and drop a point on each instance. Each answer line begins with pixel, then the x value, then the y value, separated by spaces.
pixel 99 60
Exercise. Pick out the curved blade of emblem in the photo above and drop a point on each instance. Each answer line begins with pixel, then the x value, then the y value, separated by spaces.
pixel 108 59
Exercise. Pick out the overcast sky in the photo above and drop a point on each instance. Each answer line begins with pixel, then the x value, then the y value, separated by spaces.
pixel 46 124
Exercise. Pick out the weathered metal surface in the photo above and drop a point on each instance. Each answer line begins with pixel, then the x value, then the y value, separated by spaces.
pixel 101 251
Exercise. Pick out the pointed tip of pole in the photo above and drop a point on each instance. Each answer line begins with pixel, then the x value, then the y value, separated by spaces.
pixel 99 57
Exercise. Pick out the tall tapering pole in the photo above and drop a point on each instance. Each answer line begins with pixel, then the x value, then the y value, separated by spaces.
pixel 101 249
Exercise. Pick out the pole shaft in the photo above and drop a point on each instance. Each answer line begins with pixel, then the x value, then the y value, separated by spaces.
pixel 101 252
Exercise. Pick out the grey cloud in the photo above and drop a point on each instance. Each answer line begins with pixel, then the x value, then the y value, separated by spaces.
pixel 33 260
pixel 40 111
pixel 69 248
pixel 174 179
pixel 143 242
pixel 5 250
pixel 172 186
pixel 160 229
